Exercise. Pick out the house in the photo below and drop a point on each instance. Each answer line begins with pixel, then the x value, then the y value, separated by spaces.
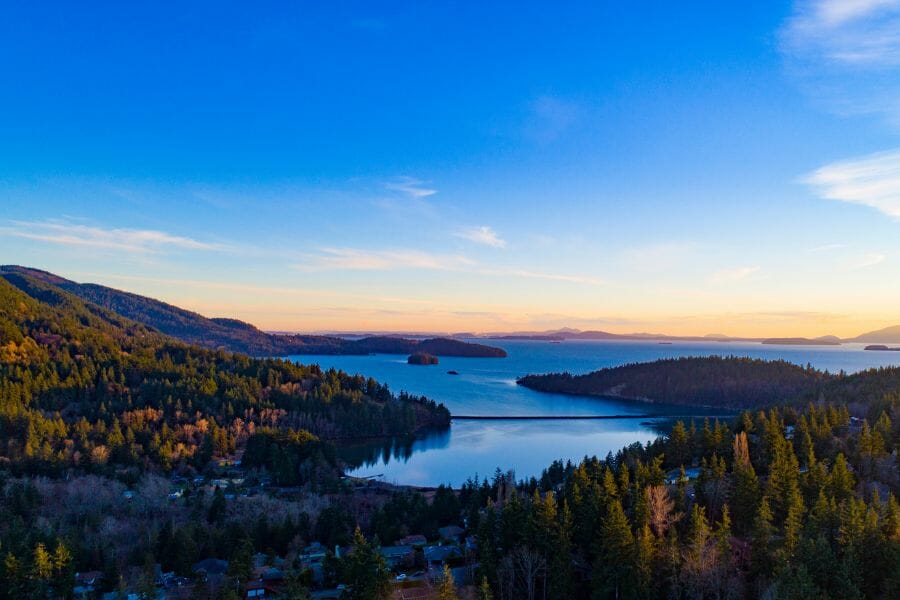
pixel 260 560
pixel 413 540
pixel 674 475
pixel 210 567
pixel 436 556
pixel 315 552
pixel 271 575
pixel 396 556
pixel 260 589
pixel 451 533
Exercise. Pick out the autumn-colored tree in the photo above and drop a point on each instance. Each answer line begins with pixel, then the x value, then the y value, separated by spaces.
pixel 446 590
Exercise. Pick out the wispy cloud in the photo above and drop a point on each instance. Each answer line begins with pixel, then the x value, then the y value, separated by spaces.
pixel 827 247
pixel 872 180
pixel 856 32
pixel 733 275
pixel 846 53
pixel 548 276
pixel 482 235
pixel 353 259
pixel 863 262
pixel 132 241
pixel 412 187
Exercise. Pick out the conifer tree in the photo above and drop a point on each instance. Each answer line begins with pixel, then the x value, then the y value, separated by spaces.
pixel 615 567
pixel 446 589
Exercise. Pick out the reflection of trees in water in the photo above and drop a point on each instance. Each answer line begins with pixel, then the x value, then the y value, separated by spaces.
pixel 400 448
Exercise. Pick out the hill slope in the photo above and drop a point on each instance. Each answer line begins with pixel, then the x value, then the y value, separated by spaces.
pixel 232 334
pixel 83 387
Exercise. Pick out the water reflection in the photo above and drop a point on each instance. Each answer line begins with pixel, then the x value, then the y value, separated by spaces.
pixel 472 448
pixel 400 448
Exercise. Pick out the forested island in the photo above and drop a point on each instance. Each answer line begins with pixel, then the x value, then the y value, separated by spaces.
pixel 422 358
pixel 721 382
pixel 234 335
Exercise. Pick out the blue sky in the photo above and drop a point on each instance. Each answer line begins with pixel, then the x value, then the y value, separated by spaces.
pixel 423 166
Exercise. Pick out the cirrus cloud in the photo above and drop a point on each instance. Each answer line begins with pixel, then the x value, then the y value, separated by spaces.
pixel 354 259
pixel 872 180
pixel 410 186
pixel 482 235
pixel 132 241
pixel 733 274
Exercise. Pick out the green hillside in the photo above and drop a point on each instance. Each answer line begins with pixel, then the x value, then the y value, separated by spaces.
pixel 83 387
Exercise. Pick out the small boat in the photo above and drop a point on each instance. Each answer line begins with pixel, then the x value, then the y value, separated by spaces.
pixel 452 373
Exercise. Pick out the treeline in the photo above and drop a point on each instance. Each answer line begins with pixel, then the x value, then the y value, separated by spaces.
pixel 82 387
pixel 784 504
pixel 722 382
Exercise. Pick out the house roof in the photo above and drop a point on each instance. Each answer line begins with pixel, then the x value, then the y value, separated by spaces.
pixel 212 566
pixel 450 531
pixel 395 551
pixel 412 540
pixel 441 553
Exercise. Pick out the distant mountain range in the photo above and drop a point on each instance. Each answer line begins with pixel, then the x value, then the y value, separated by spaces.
pixel 232 334
pixel 889 335
pixel 239 336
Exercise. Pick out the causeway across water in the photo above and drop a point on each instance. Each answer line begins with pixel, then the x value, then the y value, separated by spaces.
pixel 576 417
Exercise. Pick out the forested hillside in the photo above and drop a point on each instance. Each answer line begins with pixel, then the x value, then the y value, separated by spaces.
pixel 780 504
pixel 232 334
pixel 722 382
pixel 82 387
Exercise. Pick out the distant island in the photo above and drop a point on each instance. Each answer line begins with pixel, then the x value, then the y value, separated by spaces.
pixel 234 335
pixel 881 348
pixel 801 341
pixel 422 358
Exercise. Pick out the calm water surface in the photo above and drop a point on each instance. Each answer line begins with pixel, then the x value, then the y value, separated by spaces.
pixel 487 386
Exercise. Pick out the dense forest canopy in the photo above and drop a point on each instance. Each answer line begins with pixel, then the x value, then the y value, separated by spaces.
pixel 81 386
pixel 232 334
pixel 722 382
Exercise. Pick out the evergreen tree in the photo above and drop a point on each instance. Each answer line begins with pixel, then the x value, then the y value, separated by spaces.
pixel 614 572
pixel 364 571
pixel 484 590
pixel 761 561
pixel 840 480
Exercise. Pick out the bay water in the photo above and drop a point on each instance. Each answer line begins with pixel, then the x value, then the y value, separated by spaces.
pixel 487 386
